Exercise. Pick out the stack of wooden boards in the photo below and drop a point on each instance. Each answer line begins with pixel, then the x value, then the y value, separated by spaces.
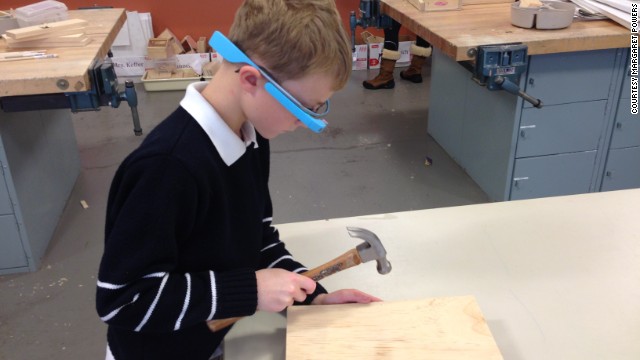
pixel 66 33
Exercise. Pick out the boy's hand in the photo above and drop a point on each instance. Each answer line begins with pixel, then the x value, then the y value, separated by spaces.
pixel 344 296
pixel 278 289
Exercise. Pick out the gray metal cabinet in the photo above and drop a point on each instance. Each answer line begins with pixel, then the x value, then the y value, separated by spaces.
pixel 622 169
pixel 12 255
pixel 563 174
pixel 560 129
pixel 514 151
pixel 40 164
pixel 570 77
pixel 626 130
pixel 5 201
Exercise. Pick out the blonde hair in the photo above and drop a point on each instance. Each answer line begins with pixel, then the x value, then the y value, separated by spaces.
pixel 294 38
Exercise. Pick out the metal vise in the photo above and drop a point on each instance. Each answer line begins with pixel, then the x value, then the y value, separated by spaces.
pixel 370 15
pixel 498 67
pixel 104 92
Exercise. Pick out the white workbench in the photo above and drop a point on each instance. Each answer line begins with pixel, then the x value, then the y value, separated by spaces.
pixel 556 278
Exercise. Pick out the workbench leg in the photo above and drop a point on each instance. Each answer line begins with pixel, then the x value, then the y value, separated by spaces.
pixel 40 163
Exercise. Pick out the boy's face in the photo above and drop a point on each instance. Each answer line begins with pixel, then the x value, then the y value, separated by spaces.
pixel 270 118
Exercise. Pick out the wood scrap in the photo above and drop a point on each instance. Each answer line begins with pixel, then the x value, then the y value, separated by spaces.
pixel 202 45
pixel 173 40
pixel 66 33
pixel 153 74
pixel 48 29
pixel 189 44
pixel 159 48
pixel 77 40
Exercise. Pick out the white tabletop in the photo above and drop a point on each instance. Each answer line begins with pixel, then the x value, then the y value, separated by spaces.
pixel 556 278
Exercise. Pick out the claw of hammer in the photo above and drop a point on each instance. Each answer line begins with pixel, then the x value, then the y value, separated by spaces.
pixel 371 249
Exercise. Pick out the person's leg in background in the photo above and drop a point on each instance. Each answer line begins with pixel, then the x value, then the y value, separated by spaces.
pixel 420 51
pixel 390 54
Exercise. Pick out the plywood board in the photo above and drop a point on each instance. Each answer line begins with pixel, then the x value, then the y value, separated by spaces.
pixel 437 328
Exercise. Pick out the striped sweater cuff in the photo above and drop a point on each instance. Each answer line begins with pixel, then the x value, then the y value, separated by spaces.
pixel 319 290
pixel 237 293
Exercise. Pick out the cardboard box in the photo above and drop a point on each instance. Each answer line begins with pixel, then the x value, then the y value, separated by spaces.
pixel 137 65
pixel 360 57
pixel 193 61
pixel 404 47
pixel 129 65
pixel 375 45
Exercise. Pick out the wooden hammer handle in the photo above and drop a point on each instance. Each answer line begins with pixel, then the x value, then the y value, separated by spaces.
pixel 349 259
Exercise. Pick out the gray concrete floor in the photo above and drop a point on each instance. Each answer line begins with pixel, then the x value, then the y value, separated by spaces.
pixel 371 159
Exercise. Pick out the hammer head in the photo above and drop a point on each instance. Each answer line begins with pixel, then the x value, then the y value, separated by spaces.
pixel 371 249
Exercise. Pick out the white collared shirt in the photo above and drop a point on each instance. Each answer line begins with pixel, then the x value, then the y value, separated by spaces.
pixel 229 145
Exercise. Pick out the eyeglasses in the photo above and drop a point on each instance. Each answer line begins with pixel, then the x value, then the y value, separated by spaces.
pixel 312 118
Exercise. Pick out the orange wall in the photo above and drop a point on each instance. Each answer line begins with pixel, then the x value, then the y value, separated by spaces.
pixel 190 17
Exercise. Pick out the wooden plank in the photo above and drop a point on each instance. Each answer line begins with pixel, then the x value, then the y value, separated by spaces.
pixel 47 30
pixel 437 328
pixel 53 42
pixel 455 32
pixel 40 76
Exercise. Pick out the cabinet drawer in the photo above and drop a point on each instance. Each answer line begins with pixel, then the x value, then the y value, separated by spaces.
pixel 5 201
pixel 626 85
pixel 560 129
pixel 626 131
pixel 12 254
pixel 622 170
pixel 554 175
pixel 569 77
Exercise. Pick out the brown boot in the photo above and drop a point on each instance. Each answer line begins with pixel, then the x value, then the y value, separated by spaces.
pixel 414 72
pixel 384 80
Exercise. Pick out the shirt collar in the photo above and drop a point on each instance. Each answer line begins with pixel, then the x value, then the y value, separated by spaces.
pixel 229 145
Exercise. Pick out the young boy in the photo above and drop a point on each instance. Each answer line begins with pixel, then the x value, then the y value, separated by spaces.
pixel 188 226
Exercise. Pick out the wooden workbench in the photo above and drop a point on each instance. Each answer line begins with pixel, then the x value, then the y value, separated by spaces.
pixel 556 278
pixel 583 139
pixel 38 148
pixel 455 32
pixel 40 76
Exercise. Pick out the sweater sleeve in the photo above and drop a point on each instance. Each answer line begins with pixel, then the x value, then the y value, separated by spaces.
pixel 274 253
pixel 152 202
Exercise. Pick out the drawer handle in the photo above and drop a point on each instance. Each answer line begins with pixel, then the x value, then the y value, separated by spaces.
pixel 523 133
pixel 516 181
pixel 619 125
pixel 609 173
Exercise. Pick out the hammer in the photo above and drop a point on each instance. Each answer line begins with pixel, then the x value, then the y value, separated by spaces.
pixel 370 249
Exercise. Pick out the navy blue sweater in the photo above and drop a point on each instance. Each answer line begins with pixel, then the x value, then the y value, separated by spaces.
pixel 184 236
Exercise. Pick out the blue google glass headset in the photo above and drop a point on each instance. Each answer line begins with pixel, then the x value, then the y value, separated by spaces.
pixel 230 52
